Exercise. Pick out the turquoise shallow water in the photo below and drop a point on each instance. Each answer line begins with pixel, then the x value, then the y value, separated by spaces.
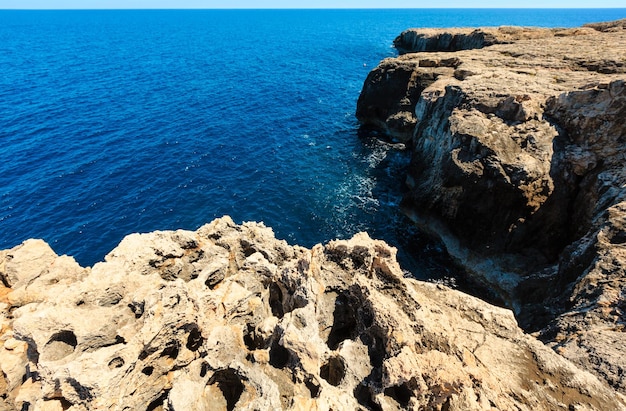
pixel 115 122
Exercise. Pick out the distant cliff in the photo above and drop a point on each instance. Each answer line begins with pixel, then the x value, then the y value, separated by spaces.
pixel 228 317
pixel 518 140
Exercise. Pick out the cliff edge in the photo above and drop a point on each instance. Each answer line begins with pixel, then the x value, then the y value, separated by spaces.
pixel 230 318
pixel 518 140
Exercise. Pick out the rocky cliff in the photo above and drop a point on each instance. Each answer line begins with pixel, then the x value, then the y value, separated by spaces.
pixel 228 317
pixel 518 140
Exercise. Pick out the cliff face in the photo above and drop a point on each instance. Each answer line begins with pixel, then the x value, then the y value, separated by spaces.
pixel 518 156
pixel 228 317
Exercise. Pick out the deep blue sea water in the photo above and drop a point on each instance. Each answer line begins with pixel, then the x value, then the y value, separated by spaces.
pixel 113 122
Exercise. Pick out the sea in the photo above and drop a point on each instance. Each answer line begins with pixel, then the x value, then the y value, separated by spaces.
pixel 114 122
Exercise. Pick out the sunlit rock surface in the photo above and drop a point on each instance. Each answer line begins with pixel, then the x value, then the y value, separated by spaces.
pixel 228 317
pixel 518 139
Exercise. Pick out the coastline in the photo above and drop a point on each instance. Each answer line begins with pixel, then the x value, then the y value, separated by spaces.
pixel 517 140
pixel 518 153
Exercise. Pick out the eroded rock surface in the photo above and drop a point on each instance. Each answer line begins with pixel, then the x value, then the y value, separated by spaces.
pixel 518 152
pixel 228 317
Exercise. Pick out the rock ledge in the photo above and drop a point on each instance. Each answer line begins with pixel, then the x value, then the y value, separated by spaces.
pixel 228 317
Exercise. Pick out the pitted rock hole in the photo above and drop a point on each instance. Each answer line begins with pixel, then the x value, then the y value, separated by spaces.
pixel 148 370
pixel 194 340
pixel 116 362
pixel 400 393
pixel 185 243
pixel 195 254
pixel 314 387
pixel 84 392
pixel 65 404
pixel 363 395
pixel 250 248
pixel 618 238
pixel 276 300
pixel 60 345
pixel 229 382
pixel 251 339
pixel 375 343
pixel 279 356
pixel 344 322
pixel 146 352
pixel 171 351
pixel 159 403
pixel 247 247
pixel 333 371
pixel 337 254
pixel 204 369
pixel 214 278
pixel 360 256
pixel 137 308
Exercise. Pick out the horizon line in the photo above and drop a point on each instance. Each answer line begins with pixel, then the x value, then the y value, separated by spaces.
pixel 310 8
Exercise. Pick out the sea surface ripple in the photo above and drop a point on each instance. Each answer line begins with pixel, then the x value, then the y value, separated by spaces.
pixel 116 122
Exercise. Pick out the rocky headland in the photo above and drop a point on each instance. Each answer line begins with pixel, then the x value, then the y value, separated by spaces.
pixel 228 317
pixel 518 145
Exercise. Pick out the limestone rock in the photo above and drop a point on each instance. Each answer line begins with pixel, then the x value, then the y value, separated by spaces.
pixel 390 94
pixel 418 40
pixel 228 317
pixel 517 164
pixel 608 26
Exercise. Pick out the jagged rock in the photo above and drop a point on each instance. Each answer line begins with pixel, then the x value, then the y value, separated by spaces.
pixel 228 317
pixel 389 97
pixel 608 26
pixel 518 166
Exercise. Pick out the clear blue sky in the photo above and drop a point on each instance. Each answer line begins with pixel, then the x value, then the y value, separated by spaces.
pixel 209 4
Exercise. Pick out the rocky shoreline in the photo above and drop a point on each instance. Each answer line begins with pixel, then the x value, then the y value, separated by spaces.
pixel 518 146
pixel 518 142
pixel 228 317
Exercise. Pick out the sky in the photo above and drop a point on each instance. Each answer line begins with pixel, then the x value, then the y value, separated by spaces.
pixel 210 4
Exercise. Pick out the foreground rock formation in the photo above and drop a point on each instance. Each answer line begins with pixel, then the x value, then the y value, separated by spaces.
pixel 228 317
pixel 518 140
